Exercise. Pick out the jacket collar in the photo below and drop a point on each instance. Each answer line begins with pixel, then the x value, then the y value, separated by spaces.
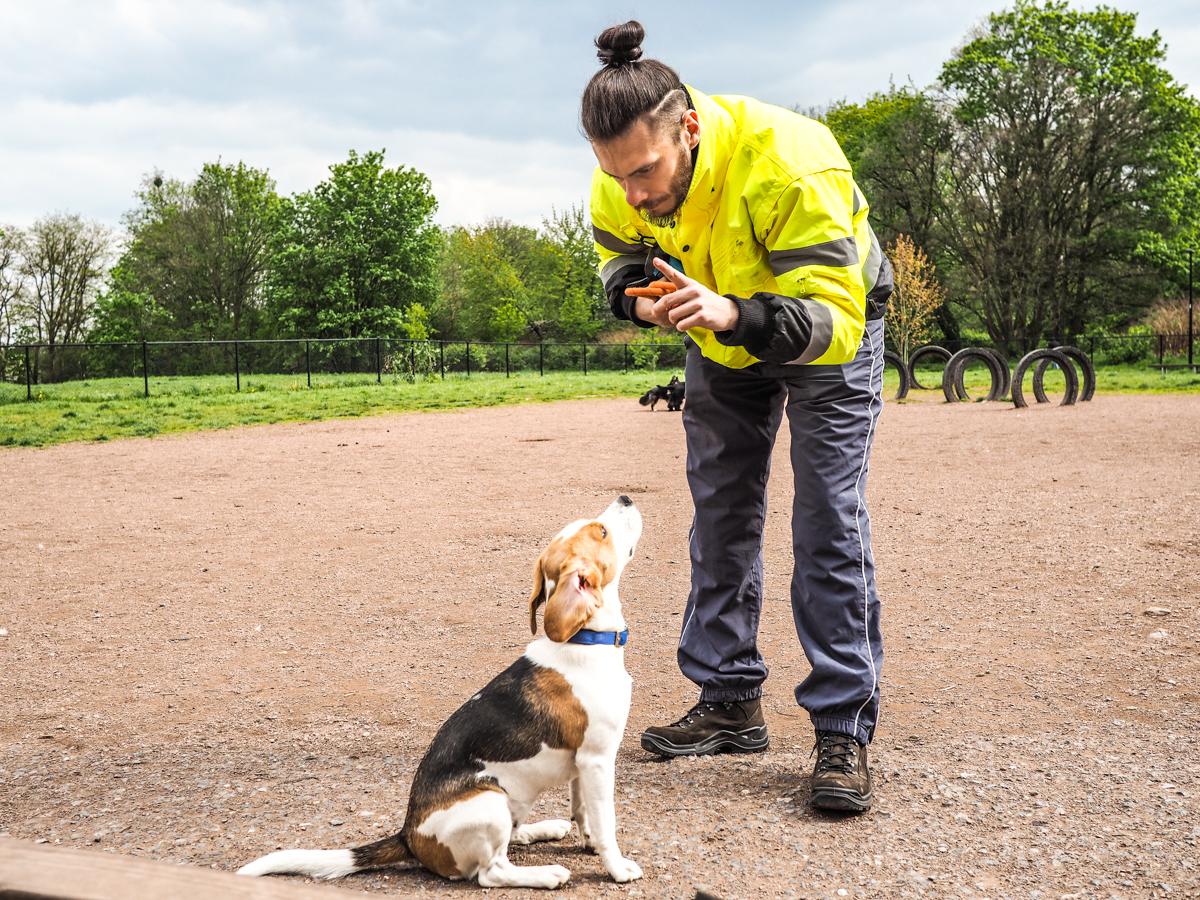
pixel 718 137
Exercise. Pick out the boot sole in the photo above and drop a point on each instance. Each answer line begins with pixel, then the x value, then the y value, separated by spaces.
pixel 841 800
pixel 752 740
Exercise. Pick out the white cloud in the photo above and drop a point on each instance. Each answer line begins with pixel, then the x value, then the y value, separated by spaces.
pixel 480 96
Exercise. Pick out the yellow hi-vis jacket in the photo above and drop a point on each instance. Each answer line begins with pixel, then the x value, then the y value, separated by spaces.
pixel 773 220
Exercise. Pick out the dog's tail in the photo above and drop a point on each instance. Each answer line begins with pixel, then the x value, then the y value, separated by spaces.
pixel 645 398
pixel 390 851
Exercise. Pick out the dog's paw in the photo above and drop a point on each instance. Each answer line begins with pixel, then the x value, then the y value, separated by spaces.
pixel 549 830
pixel 623 869
pixel 556 876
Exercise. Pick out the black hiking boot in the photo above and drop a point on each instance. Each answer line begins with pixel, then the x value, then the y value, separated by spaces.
pixel 841 780
pixel 735 726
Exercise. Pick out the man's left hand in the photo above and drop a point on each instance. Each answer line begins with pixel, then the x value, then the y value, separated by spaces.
pixel 692 305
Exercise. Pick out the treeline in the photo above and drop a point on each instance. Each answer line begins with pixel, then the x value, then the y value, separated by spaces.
pixel 225 256
pixel 1052 174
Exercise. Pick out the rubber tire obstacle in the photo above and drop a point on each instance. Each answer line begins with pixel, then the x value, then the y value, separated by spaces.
pixel 920 353
pixel 905 379
pixel 1086 369
pixel 1064 363
pixel 952 376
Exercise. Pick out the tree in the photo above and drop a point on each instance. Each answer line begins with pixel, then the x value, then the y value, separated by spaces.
pixel 916 297
pixel 503 281
pixel 1072 176
pixel 355 256
pixel 897 144
pixel 197 254
pixel 63 260
pixel 10 281
pixel 570 232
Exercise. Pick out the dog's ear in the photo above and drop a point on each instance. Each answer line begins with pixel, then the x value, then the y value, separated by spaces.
pixel 576 597
pixel 551 561
pixel 538 597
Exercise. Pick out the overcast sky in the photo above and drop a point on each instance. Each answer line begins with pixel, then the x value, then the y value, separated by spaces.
pixel 481 96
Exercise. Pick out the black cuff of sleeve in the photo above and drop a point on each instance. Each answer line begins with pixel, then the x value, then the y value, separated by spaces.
pixel 622 304
pixel 632 316
pixel 753 328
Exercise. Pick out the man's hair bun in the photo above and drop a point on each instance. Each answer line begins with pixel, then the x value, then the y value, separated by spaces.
pixel 621 44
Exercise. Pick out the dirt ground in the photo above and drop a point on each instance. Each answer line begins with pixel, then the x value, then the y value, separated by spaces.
pixel 220 644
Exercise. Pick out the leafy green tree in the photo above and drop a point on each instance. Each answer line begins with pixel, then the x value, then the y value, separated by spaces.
pixel 357 255
pixel 199 249
pixel 503 281
pixel 897 144
pixel 570 232
pixel 1072 177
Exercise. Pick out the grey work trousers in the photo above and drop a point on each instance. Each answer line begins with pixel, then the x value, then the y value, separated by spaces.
pixel 731 419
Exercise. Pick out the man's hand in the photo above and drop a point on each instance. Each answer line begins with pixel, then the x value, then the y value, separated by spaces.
pixel 690 305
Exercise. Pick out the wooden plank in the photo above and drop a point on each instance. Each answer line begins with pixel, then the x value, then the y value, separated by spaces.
pixel 58 873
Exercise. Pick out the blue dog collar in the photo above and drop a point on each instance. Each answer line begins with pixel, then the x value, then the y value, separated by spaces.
pixel 612 638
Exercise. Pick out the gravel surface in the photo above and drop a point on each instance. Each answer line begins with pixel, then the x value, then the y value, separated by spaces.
pixel 218 644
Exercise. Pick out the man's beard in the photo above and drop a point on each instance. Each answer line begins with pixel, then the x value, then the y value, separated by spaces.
pixel 678 192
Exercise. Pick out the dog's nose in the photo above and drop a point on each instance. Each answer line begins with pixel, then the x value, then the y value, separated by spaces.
pixel 624 501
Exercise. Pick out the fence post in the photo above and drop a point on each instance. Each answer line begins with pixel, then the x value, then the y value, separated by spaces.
pixel 541 358
pixel 307 364
pixel 1162 341
pixel 442 359
pixel 145 371
pixel 625 358
pixel 1092 348
pixel 468 359
pixel 506 359
pixel 412 359
pixel 584 359
pixel 237 365
pixel 28 380
pixel 378 362
pixel 1191 328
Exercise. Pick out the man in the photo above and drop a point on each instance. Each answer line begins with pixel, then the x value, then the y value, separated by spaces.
pixel 779 282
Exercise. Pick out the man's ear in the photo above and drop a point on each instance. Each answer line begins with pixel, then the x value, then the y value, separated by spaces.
pixel 691 128
pixel 576 597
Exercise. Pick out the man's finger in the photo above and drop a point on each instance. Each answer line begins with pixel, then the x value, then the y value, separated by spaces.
pixel 677 277
pixel 683 311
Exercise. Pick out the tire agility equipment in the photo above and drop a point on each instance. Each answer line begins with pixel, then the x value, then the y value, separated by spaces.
pixel 1086 368
pixel 894 359
pixel 999 369
pixel 917 355
pixel 952 376
pixel 1005 371
pixel 1068 370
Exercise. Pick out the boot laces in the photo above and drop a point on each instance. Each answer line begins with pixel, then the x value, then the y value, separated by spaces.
pixel 837 752
pixel 697 712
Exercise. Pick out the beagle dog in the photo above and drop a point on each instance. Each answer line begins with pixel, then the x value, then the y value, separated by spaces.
pixel 555 716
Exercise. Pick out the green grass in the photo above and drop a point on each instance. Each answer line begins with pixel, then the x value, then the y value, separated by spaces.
pixel 1109 380
pixel 110 408
pixel 106 408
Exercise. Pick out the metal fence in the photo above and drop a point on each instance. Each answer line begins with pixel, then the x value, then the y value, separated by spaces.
pixel 41 364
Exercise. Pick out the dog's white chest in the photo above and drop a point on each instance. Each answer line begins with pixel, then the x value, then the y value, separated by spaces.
pixel 526 778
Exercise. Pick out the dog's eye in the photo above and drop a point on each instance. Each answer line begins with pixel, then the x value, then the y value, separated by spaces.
pixel 603 532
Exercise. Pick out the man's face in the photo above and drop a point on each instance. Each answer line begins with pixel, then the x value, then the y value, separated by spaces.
pixel 655 170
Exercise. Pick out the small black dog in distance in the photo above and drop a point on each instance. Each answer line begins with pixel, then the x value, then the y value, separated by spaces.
pixel 672 392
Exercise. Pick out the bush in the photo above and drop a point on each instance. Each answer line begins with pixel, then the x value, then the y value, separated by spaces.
pixel 654 346
pixel 1169 318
